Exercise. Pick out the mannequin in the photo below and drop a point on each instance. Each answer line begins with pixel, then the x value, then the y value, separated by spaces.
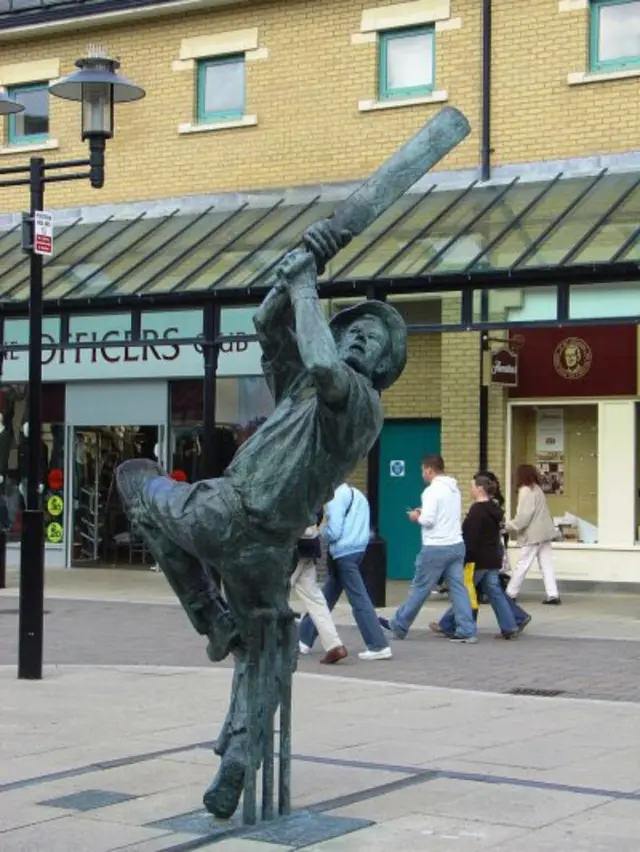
pixel 6 441
pixel 56 460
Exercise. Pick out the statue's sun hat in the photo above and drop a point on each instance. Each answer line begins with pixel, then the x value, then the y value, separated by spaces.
pixel 394 325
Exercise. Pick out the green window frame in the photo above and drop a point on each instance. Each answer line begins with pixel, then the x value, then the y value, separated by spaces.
pixel 386 90
pixel 14 136
pixel 221 64
pixel 622 63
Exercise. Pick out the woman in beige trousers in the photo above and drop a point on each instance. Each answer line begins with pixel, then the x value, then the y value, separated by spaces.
pixel 535 529
pixel 305 584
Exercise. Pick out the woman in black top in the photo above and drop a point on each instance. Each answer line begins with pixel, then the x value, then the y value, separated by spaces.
pixel 481 531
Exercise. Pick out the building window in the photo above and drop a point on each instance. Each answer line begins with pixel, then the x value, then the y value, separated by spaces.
pixel 32 124
pixel 221 89
pixel 407 63
pixel 615 35
pixel 561 442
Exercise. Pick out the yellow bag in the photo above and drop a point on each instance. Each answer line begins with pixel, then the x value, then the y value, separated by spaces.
pixel 469 570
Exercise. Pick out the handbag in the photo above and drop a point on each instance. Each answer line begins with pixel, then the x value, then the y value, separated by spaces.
pixel 309 544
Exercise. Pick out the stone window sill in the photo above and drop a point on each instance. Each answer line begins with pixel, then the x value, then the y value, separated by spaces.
pixel 13 150
pixel 432 98
pixel 210 127
pixel 582 78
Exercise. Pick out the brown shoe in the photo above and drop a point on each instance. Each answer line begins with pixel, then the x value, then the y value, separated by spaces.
pixel 334 655
pixel 434 627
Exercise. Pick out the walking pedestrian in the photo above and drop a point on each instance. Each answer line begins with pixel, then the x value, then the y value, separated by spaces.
pixel 305 584
pixel 347 531
pixel 535 529
pixel 442 554
pixel 481 531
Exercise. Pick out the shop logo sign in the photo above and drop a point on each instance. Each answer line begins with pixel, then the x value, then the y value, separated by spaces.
pixel 572 358
pixel 504 368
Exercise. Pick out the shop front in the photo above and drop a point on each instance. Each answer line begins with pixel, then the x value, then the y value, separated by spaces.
pixel 106 404
pixel 575 415
pixel 138 300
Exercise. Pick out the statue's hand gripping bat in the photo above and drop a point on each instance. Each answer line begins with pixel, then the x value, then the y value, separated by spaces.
pixel 403 168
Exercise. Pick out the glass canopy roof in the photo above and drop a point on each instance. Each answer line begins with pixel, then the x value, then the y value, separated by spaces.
pixel 515 226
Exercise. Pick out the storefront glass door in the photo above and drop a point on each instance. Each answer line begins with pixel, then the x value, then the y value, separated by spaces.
pixel 99 531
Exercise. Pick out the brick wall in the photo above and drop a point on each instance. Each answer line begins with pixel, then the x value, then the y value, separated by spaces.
pixel 537 115
pixel 305 95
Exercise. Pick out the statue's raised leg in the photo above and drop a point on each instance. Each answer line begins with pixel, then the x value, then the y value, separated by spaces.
pixel 187 575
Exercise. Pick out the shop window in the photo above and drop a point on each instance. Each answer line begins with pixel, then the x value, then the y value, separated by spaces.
pixel 221 89
pixel 32 124
pixel 561 441
pixel 534 304
pixel 406 63
pixel 614 35
pixel 13 460
pixel 638 472
pixel 597 301
pixel 242 403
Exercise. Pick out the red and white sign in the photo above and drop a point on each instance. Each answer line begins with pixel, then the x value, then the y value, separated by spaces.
pixel 43 233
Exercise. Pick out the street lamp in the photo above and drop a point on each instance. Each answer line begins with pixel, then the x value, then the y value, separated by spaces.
pixel 98 87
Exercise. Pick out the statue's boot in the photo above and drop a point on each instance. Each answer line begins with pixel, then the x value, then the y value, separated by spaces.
pixel 189 579
pixel 223 794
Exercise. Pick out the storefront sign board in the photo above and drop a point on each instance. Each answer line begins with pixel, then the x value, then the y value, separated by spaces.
pixel 577 361
pixel 157 358
pixel 504 368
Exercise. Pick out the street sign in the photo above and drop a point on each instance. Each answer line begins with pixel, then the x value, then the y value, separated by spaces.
pixel 43 233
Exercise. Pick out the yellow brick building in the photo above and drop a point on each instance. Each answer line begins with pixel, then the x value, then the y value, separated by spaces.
pixel 296 101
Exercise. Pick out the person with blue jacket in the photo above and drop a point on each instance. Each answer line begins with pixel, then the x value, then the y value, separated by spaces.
pixel 347 530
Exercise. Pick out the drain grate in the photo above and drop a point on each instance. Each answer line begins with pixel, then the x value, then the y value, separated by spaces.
pixel 538 693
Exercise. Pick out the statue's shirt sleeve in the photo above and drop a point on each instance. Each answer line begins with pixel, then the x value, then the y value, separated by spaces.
pixel 283 367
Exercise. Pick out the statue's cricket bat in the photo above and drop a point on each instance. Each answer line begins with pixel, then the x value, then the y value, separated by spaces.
pixel 403 168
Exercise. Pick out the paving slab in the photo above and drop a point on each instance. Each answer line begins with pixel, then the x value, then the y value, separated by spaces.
pixel 430 748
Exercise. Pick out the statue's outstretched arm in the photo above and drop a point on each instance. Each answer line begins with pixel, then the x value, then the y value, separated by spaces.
pixel 271 321
pixel 316 345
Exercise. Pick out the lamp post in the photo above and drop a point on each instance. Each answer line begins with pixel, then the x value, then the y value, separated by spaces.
pixel 98 87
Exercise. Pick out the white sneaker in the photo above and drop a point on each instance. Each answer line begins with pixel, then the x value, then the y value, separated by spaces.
pixel 383 654
pixel 304 649
pixel 155 568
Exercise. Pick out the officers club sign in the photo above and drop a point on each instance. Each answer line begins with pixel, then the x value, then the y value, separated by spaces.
pixel 157 356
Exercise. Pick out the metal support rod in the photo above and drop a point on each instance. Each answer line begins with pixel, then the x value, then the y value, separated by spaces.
pixel 483 432
pixel 209 388
pixel 485 148
pixel 3 560
pixel 32 542
pixel 287 637
pixel 373 460
pixel 96 161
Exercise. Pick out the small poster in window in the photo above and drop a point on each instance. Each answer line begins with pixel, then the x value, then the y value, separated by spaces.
pixel 550 430
pixel 551 469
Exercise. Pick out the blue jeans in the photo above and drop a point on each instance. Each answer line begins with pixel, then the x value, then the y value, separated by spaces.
pixel 347 578
pixel 432 563
pixel 508 614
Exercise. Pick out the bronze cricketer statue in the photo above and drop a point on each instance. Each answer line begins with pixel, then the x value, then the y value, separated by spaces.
pixel 326 379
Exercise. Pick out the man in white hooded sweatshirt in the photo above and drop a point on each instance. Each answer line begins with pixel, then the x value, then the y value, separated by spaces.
pixel 442 553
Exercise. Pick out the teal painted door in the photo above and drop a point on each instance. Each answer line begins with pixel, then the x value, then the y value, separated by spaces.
pixel 403 444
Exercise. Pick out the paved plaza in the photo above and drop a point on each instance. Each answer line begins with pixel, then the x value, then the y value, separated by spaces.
pixel 430 751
